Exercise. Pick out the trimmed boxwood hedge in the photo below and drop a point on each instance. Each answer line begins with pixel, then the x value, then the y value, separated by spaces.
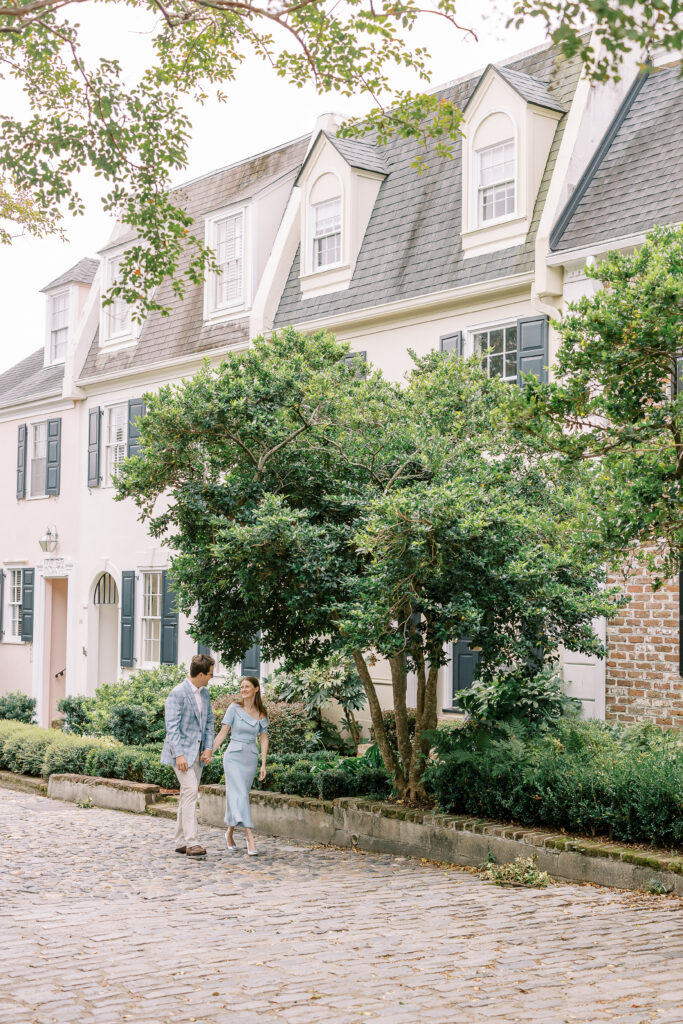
pixel 592 778
pixel 29 750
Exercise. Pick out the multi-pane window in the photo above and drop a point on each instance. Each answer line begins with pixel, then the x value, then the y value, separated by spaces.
pixel 37 459
pixel 118 314
pixel 498 348
pixel 230 259
pixel 496 181
pixel 151 617
pixel 59 326
pixel 326 233
pixel 116 427
pixel 14 604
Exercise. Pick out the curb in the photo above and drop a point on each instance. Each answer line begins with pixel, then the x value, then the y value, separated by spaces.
pixel 386 828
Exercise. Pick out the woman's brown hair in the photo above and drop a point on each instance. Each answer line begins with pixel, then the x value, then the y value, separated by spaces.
pixel 258 703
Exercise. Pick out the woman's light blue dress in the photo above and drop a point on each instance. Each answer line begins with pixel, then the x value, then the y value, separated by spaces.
pixel 240 762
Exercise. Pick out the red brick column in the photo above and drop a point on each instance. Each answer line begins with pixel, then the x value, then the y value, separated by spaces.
pixel 642 672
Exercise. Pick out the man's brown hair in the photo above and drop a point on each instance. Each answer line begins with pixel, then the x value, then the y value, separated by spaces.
pixel 200 663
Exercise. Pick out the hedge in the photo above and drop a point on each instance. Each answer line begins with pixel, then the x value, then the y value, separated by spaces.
pixel 582 777
pixel 29 750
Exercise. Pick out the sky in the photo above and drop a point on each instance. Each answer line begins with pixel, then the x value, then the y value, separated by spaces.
pixel 261 112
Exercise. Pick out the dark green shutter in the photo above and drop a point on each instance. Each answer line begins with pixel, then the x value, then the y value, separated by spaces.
pixel 27 602
pixel 2 601
pixel 464 662
pixel 532 347
pixel 452 343
pixel 169 623
pixel 94 431
pixel 136 410
pixel 251 662
pixel 54 456
pixel 21 461
pixel 127 618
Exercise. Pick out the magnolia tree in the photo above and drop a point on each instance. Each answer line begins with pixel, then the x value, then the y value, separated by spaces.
pixel 617 401
pixel 78 112
pixel 343 515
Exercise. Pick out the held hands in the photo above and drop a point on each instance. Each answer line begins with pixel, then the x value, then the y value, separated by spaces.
pixel 262 773
pixel 206 756
pixel 181 763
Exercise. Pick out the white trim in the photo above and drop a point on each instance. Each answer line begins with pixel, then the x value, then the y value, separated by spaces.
pixel 601 248
pixel 307 268
pixel 35 407
pixel 28 471
pixel 421 303
pixel 106 481
pixel 141 618
pixel 152 373
pixel 125 338
pixel 52 568
pixel 72 316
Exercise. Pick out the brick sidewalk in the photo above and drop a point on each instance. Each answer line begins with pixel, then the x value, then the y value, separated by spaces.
pixel 102 923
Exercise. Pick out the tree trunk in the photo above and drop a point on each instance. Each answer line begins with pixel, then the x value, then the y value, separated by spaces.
pixel 352 726
pixel 399 684
pixel 383 743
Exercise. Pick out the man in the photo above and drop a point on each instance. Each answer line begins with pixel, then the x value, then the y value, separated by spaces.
pixel 189 746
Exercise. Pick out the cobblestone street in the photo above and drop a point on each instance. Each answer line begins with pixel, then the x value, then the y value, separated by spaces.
pixel 102 922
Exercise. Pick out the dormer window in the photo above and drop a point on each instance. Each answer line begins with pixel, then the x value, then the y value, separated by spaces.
pixel 226 292
pixel 59 326
pixel 496 181
pixel 116 318
pixel 327 229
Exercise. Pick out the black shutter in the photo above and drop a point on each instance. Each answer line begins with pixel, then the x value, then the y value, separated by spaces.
pixel 532 348
pixel 127 618
pixel 361 373
pixel 27 594
pixel 21 461
pixel 2 601
pixel 464 662
pixel 136 410
pixel 54 456
pixel 94 430
pixel 452 343
pixel 251 662
pixel 169 623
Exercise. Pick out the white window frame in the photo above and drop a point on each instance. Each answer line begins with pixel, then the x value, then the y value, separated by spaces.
pixel 499 183
pixel 214 306
pixel 30 428
pixel 315 237
pixel 107 480
pixel 145 619
pixel 65 297
pixel 487 328
pixel 9 637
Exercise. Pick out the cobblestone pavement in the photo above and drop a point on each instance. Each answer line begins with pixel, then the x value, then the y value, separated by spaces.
pixel 102 923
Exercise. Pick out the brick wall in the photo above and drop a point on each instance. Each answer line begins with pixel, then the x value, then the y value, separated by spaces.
pixel 642 672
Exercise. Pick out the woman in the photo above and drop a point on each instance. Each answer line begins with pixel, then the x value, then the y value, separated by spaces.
pixel 246 719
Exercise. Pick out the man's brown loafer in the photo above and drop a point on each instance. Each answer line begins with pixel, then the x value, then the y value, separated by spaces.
pixel 181 849
pixel 195 851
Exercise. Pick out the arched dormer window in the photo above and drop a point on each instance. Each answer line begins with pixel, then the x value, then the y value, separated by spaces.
pixel 325 222
pixel 495 170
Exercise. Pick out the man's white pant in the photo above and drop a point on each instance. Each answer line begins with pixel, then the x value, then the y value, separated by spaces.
pixel 186 826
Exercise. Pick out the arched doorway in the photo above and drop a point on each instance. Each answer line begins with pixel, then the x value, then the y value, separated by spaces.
pixel 106 602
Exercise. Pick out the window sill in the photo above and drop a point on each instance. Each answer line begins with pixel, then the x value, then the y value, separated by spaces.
pixel 114 344
pixel 14 641
pixel 495 235
pixel 37 497
pixel 225 316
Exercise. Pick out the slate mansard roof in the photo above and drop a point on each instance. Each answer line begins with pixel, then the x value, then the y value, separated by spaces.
pixel 184 332
pixel 29 379
pixel 635 179
pixel 412 243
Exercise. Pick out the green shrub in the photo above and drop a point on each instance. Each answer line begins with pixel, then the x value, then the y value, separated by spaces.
pixel 288 724
pixel 77 711
pixel 585 777
pixel 146 688
pixel 18 707
pixel 22 747
pixel 514 695
pixel 69 754
pixel 130 723
pixel 389 719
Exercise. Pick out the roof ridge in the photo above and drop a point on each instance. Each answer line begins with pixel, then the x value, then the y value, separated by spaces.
pixel 238 163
